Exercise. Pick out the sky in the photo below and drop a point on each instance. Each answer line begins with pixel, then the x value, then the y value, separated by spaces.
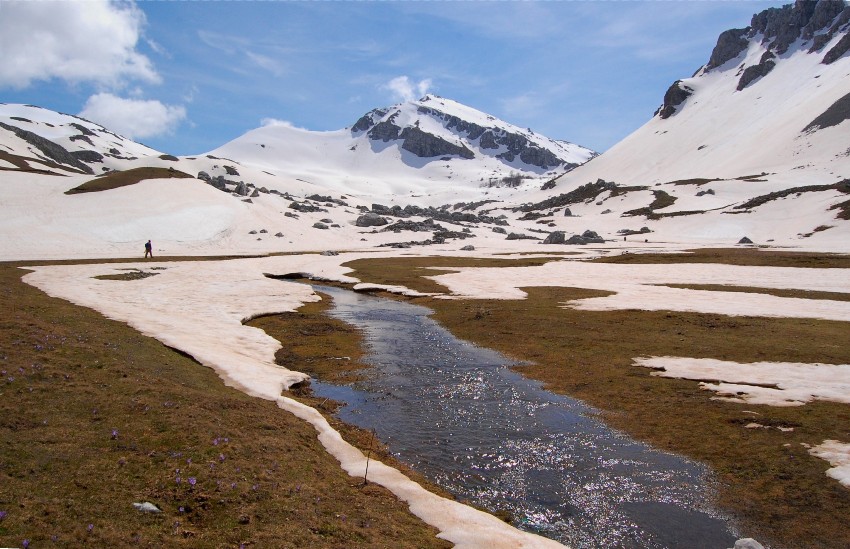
pixel 187 77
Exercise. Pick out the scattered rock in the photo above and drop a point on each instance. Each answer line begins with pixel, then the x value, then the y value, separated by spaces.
pixel 468 248
pixel 263 231
pixel 555 237
pixel 329 253
pixel 745 240
pixel 290 214
pixel 319 225
pixel 279 235
pixel 500 230
pixel 255 194
pixel 705 192
pixel 520 236
pixel 370 219
pixel 567 212
pixel 241 189
pixel 204 176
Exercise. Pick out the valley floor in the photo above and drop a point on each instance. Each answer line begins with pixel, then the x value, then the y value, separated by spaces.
pixel 600 330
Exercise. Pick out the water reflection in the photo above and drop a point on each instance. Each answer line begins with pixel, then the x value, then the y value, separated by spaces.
pixel 460 416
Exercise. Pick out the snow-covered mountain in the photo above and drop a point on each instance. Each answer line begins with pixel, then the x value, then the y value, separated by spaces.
pixel 431 147
pixel 755 144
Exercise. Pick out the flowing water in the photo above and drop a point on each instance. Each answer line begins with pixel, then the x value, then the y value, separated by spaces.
pixel 459 415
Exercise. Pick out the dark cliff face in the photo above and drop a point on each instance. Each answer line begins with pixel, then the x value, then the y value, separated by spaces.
pixel 675 96
pixel 816 22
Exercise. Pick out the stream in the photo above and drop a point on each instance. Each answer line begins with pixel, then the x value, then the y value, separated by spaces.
pixel 463 418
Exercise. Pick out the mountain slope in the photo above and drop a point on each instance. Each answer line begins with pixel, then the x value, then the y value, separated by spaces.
pixel 431 147
pixel 767 114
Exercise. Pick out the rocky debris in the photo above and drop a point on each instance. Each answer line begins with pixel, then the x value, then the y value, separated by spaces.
pixel 440 214
pixel 555 237
pixel 263 190
pixel 290 214
pixel 48 148
pixel 330 253
pixel 426 145
pixel 327 199
pixel 837 51
pixel 414 226
pixel 248 200
pixel 241 189
pixel 305 207
pixel 585 192
pixel 263 231
pixel 80 138
pixel 319 225
pixel 520 236
pixel 745 240
pixel 87 156
pixel 500 230
pixel 326 220
pixel 548 185
pixel 837 113
pixel 754 72
pixel 371 219
pixel 587 237
pixel 252 232
pixel 230 170
pixel 279 235
pixel 705 192
pixel 82 129
pixel 568 212
pixel 676 94
pixel 255 194
pixel 629 232
pixel 468 248
pixel 169 157
pixel 531 216
pixel 730 44
pixel 204 176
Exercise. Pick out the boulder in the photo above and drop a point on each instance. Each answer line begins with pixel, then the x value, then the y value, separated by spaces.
pixel 370 219
pixel 745 240
pixel 555 237
pixel 468 248
pixel 319 225
pixel 241 189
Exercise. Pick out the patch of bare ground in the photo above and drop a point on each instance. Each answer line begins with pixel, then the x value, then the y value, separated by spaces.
pixel 800 294
pixel 738 256
pixel 774 489
pixel 95 416
pixel 116 179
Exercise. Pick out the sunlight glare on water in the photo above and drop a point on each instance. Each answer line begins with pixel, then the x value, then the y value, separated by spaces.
pixel 459 415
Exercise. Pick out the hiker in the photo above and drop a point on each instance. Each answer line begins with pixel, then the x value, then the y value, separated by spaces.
pixel 148 249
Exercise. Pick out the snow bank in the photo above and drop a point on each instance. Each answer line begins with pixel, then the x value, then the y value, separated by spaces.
pixel 642 287
pixel 838 455
pixel 771 383
pixel 199 308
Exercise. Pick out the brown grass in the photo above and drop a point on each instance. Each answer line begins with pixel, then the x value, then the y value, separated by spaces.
pixel 116 179
pixel 95 416
pixel 800 294
pixel 776 491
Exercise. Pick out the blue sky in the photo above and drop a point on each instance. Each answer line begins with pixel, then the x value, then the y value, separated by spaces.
pixel 186 77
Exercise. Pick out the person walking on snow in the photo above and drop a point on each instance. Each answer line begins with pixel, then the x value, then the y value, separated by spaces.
pixel 148 249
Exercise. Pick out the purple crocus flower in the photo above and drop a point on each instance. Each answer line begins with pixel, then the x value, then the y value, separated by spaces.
pixel 192 481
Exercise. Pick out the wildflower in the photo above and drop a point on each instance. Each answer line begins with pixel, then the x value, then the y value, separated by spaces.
pixel 181 509
pixel 177 480
pixel 2 515
pixel 90 527
pixel 192 481
pixel 114 434
pixel 25 543
pixel 221 457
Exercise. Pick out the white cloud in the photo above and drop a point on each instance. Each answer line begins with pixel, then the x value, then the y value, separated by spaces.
pixel 92 41
pixel 133 118
pixel 277 122
pixel 405 90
